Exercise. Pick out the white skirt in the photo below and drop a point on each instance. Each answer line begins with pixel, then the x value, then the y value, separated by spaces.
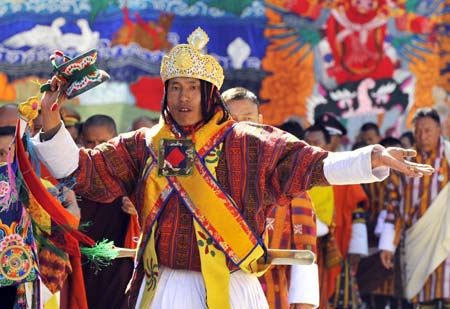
pixel 185 289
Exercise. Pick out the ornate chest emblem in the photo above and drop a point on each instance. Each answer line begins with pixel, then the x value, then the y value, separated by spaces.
pixel 175 157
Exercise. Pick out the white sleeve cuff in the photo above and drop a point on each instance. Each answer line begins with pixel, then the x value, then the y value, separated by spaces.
pixel 322 228
pixel 380 222
pixel 304 287
pixel 387 237
pixel 352 167
pixel 23 126
pixel 60 154
pixel 358 242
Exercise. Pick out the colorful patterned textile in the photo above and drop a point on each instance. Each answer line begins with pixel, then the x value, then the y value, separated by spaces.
pixel 409 198
pixel 259 166
pixel 376 192
pixel 180 170
pixel 346 293
pixel 18 251
pixel 323 201
pixel 290 227
pixel 202 195
pixel 350 202
pixel 65 237
pixel 44 260
pixel 26 258
pixel 80 73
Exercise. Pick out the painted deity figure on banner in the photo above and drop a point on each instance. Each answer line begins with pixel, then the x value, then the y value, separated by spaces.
pixel 361 52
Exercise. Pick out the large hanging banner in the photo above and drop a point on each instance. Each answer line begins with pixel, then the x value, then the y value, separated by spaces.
pixel 131 37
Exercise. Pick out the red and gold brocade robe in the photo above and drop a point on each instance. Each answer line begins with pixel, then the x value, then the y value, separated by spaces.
pixel 258 166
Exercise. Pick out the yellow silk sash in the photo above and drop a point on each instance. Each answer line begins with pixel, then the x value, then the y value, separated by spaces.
pixel 217 220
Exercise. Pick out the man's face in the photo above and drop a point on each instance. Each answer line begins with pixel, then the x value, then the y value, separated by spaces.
pixel 244 110
pixel 95 135
pixel 426 134
pixel 184 100
pixel 316 138
pixel 5 141
pixel 370 137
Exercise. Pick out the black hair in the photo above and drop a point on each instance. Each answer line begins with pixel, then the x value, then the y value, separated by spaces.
pixel 240 93
pixel 370 126
pixel 144 118
pixel 100 121
pixel 359 144
pixel 292 127
pixel 318 127
pixel 7 131
pixel 137 122
pixel 427 112
pixel 409 135
pixel 210 100
pixel 390 142
pixel 331 123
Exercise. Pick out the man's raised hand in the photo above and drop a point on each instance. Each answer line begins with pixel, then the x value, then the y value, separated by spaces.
pixel 395 158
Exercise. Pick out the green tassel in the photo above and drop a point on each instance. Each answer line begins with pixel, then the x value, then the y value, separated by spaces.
pixel 100 255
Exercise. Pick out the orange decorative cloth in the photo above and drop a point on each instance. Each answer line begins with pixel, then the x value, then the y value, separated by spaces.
pixel 289 227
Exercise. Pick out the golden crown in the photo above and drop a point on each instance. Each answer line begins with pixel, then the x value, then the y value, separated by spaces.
pixel 185 60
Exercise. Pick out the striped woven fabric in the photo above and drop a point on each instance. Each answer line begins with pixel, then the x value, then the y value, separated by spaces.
pixel 350 205
pixel 409 198
pixel 376 192
pixel 289 227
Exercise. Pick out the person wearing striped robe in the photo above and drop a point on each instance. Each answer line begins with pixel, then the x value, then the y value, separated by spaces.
pixel 410 200
pixel 290 227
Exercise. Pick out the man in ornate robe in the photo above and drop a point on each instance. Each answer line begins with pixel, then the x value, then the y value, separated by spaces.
pixel 203 183
pixel 418 208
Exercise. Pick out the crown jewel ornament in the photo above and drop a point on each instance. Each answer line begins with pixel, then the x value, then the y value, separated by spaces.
pixel 186 60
